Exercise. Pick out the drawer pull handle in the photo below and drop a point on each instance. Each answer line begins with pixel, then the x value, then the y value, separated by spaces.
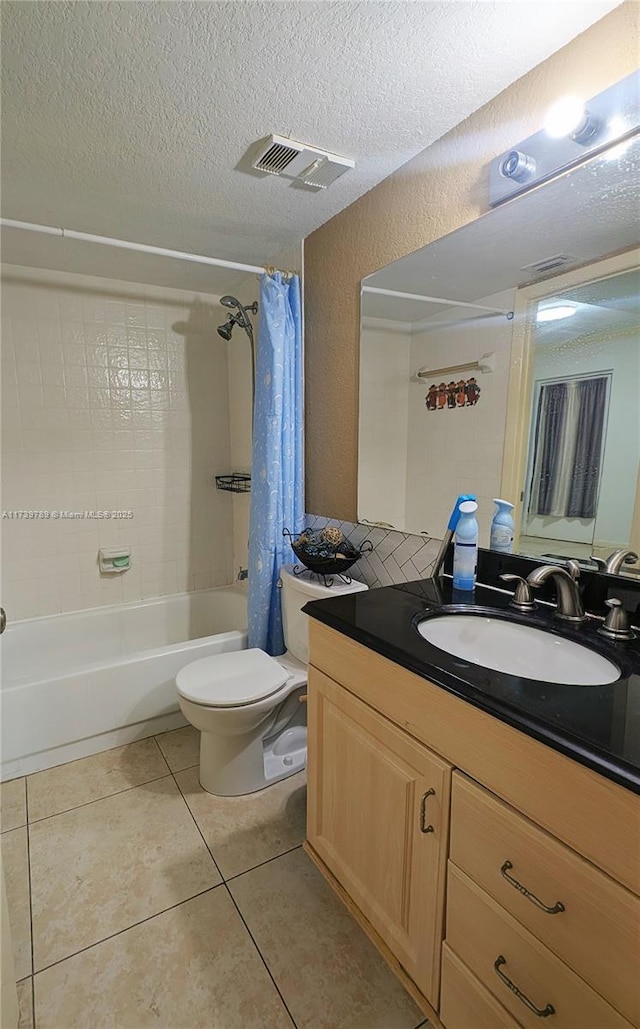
pixel 423 812
pixel 555 910
pixel 540 1012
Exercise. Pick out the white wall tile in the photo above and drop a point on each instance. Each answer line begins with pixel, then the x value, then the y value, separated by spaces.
pixel 106 407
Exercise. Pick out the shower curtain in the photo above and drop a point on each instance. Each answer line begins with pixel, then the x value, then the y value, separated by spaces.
pixel 277 500
pixel 568 448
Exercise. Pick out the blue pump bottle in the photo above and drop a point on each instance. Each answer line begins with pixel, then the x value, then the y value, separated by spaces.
pixel 465 553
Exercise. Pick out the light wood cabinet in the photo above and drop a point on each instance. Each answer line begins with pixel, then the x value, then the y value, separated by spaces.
pixel 583 916
pixel 378 817
pixel 385 747
pixel 523 974
pixel 465 1002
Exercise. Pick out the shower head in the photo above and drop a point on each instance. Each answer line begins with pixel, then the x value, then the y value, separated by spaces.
pixel 228 301
pixel 226 329
pixel 239 318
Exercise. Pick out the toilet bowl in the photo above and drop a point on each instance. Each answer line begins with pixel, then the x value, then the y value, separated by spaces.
pixel 246 705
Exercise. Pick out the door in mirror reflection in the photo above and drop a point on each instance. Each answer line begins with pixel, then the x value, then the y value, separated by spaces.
pixel 584 440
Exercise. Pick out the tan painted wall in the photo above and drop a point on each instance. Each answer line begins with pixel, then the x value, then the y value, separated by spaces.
pixel 438 191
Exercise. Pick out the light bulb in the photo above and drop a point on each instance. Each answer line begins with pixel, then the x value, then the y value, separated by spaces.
pixel 565 117
pixel 555 313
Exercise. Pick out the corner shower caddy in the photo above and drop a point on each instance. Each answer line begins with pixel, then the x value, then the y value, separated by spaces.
pixel 236 482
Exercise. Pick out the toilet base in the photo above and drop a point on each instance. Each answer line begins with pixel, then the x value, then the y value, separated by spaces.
pixel 234 765
pixel 286 755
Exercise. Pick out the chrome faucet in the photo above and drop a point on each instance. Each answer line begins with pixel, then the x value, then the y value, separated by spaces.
pixel 570 607
pixel 615 561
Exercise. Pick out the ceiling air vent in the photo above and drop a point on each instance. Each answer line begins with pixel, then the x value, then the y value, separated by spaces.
pixel 548 264
pixel 278 155
pixel 305 164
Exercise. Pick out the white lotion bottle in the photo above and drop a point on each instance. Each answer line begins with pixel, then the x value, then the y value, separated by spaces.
pixel 465 552
pixel 502 527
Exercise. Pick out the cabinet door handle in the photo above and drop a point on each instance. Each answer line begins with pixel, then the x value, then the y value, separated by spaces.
pixel 540 1012
pixel 555 910
pixel 423 812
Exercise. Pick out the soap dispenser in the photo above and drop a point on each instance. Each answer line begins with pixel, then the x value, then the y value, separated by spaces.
pixel 502 528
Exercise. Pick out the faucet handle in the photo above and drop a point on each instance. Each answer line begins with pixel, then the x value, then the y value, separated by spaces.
pixel 616 624
pixel 522 599
pixel 573 569
pixel 599 562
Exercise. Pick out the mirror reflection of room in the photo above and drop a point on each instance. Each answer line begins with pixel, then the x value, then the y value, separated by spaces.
pixel 471 382
pixel 584 439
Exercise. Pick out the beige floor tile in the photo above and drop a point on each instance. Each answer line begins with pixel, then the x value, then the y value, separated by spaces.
pixel 193 967
pixel 13 805
pixel 328 972
pixel 100 868
pixel 25 1004
pixel 245 831
pixel 181 747
pixel 15 861
pixel 91 778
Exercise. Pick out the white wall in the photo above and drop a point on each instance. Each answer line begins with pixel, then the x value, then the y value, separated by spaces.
pixel 459 450
pixel 598 353
pixel 382 450
pixel 114 397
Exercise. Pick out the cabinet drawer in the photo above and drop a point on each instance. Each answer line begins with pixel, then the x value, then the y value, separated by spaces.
pixel 496 947
pixel 465 1003
pixel 597 933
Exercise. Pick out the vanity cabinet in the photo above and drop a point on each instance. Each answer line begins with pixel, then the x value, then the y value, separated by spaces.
pixel 378 817
pixel 415 795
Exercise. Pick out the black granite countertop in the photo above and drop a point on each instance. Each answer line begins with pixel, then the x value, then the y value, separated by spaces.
pixel 599 726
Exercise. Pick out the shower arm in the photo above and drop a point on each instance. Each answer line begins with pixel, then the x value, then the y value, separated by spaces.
pixel 240 317
pixel 249 331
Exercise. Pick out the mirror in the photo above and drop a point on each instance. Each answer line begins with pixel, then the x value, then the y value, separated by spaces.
pixel 456 373
pixel 584 425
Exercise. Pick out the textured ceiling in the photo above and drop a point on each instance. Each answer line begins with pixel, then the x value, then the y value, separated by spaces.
pixel 129 119
pixel 609 307
pixel 587 214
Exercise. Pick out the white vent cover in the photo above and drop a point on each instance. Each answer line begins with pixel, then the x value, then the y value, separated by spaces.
pixel 315 168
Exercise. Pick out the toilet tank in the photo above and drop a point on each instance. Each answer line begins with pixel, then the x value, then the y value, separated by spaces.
pixel 297 590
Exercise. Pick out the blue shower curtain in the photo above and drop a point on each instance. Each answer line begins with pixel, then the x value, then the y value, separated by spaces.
pixel 277 498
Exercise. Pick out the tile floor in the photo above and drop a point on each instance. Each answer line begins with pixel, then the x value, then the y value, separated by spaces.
pixel 136 900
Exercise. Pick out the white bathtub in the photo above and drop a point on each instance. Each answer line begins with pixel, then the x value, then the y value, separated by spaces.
pixel 76 684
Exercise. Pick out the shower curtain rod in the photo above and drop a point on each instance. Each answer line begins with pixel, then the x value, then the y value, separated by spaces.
pixel 123 244
pixel 435 300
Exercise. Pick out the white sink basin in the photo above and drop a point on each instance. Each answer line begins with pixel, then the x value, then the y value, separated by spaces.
pixel 518 650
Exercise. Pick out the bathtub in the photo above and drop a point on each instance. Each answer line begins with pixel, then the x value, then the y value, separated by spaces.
pixel 76 684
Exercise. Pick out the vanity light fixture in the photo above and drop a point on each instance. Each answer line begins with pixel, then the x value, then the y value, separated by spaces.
pixel 574 131
pixel 555 312
pixel 569 117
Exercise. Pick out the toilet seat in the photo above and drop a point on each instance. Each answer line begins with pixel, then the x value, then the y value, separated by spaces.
pixel 231 680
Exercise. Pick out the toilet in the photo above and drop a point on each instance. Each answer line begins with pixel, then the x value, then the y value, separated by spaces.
pixel 253 727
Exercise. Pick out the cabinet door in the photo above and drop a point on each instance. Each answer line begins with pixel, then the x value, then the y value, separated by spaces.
pixel 378 816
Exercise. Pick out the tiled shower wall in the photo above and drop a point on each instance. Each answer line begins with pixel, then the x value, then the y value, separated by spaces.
pixel 396 557
pixel 114 398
